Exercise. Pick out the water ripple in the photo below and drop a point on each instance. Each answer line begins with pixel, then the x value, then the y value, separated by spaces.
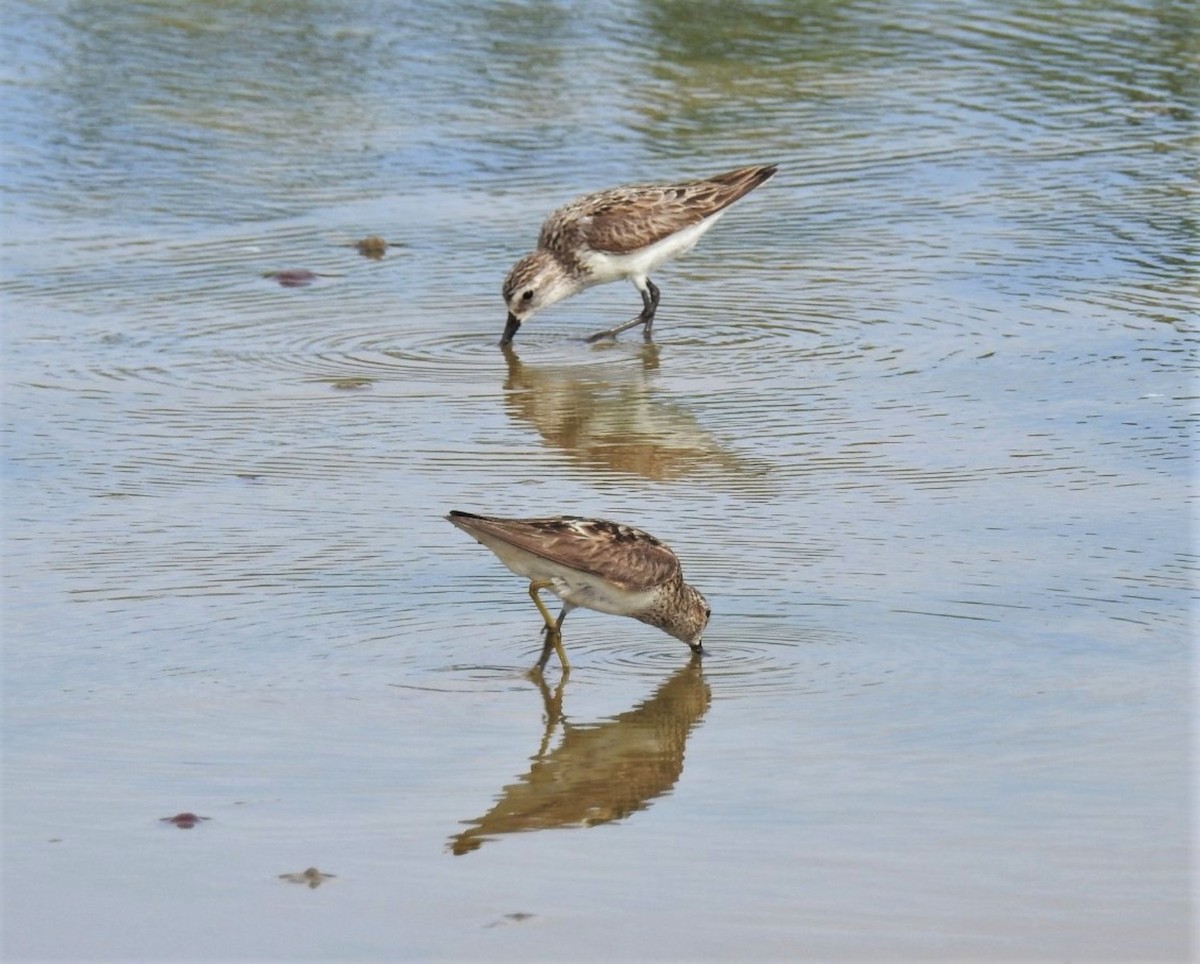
pixel 763 656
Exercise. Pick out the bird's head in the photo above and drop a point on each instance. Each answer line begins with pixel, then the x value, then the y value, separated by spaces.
pixel 535 282
pixel 690 618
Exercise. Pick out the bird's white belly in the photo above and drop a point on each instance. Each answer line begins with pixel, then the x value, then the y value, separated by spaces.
pixel 592 592
pixel 570 585
pixel 605 266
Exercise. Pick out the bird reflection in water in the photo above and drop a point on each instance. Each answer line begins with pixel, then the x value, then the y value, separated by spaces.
pixel 598 772
pixel 612 418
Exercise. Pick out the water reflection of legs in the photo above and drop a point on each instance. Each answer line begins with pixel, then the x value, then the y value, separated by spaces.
pixel 552 702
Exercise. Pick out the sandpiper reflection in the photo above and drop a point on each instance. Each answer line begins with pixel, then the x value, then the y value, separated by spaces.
pixel 610 417
pixel 598 772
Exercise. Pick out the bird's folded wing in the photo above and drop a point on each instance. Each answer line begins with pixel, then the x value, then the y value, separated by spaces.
pixel 622 555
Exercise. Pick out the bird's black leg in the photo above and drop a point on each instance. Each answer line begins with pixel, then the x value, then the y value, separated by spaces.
pixel 567 607
pixel 650 295
pixel 649 306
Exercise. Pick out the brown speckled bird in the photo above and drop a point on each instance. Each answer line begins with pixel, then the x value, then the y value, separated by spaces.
pixel 624 232
pixel 595 564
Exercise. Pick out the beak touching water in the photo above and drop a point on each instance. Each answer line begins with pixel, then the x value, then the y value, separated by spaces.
pixel 510 329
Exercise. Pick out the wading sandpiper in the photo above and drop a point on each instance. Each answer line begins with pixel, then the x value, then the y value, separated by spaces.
pixel 595 564
pixel 624 232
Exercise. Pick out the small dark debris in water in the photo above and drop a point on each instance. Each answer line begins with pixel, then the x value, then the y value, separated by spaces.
pixel 313 877
pixel 296 278
pixel 514 918
pixel 372 247
pixel 55 840
pixel 351 384
pixel 184 821
pixel 248 477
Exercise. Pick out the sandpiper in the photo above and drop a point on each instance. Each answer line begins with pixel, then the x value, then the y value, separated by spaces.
pixel 624 232
pixel 595 564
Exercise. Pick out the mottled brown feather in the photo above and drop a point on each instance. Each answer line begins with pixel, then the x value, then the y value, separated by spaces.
pixel 625 219
pixel 624 556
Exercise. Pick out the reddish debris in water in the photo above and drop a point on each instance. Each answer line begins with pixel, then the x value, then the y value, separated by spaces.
pixel 184 821
pixel 296 278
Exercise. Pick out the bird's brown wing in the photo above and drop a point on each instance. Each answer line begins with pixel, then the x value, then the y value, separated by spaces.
pixel 625 556
pixel 628 218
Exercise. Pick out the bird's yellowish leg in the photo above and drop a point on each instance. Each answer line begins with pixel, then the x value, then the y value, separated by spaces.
pixel 553 632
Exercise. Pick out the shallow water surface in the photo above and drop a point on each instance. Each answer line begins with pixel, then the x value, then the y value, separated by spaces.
pixel 916 418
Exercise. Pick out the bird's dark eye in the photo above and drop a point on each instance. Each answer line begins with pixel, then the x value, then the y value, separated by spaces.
pixel 707 612
pixel 528 295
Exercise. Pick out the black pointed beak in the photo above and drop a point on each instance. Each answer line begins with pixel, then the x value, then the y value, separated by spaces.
pixel 510 329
